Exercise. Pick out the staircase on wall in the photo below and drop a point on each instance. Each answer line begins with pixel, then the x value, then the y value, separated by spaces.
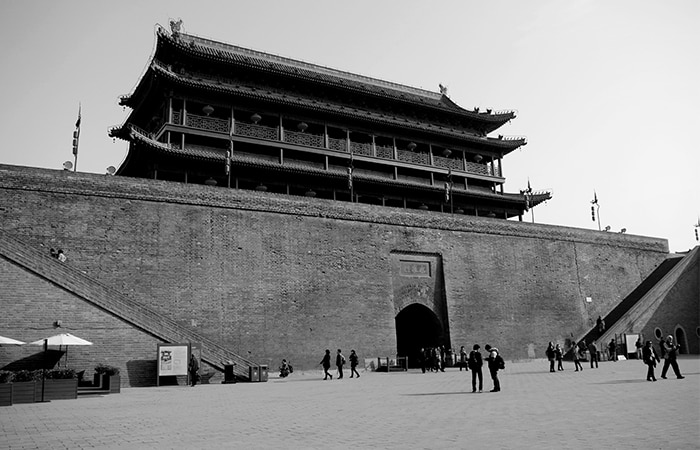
pixel 622 308
pixel 117 304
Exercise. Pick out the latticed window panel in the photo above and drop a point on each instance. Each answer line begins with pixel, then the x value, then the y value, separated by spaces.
pixel 361 148
pixel 449 163
pixel 385 152
pixel 416 158
pixel 207 123
pixel 177 118
pixel 340 145
pixel 477 168
pixel 307 139
pixel 256 131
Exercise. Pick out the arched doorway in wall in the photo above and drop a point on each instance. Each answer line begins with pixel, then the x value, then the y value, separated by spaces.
pixel 417 327
pixel 681 340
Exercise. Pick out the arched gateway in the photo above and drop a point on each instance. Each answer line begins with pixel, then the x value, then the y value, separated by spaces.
pixel 418 327
pixel 419 303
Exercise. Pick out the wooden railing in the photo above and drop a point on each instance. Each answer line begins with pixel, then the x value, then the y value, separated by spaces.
pixel 340 145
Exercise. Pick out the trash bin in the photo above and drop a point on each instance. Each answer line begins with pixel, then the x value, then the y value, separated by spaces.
pixel 254 372
pixel 229 376
pixel 263 373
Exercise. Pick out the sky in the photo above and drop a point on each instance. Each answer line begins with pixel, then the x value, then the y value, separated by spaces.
pixel 606 91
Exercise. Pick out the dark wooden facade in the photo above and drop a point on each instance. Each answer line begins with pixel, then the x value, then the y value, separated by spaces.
pixel 211 113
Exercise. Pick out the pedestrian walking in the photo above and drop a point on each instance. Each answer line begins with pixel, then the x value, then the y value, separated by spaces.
pixel 551 355
pixel 193 369
pixel 612 350
pixel 424 357
pixel 495 363
pixel 475 362
pixel 462 359
pixel 650 358
pixel 353 363
pixel 576 357
pixel 559 355
pixel 326 363
pixel 593 353
pixel 670 354
pixel 339 362
pixel 639 345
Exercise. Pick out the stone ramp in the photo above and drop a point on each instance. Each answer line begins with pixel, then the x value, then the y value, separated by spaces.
pixel 643 299
pixel 115 303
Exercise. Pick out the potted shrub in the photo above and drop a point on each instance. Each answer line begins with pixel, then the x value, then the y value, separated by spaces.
pixel 59 384
pixel 24 386
pixel 108 377
pixel 5 388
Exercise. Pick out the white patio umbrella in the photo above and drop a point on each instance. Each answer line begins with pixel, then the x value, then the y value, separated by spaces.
pixel 60 340
pixel 9 341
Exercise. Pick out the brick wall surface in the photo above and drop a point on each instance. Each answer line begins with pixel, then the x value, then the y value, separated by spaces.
pixel 680 308
pixel 274 276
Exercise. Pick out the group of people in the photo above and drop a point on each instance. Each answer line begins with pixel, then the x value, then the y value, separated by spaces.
pixel 59 255
pixel 669 352
pixel 339 363
pixel 474 361
pixel 555 353
pixel 432 359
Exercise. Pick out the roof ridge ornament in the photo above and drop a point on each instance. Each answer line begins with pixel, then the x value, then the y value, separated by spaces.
pixel 443 89
pixel 176 28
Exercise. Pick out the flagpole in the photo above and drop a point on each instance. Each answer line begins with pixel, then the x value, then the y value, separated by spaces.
pixel 76 139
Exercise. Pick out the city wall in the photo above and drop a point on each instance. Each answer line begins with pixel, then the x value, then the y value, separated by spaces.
pixel 274 276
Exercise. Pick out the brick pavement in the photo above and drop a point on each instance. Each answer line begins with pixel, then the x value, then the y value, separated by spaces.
pixel 612 406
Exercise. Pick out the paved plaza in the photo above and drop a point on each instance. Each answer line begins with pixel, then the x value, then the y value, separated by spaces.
pixel 610 407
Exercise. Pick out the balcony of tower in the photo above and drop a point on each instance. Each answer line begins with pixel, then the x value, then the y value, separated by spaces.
pixel 332 141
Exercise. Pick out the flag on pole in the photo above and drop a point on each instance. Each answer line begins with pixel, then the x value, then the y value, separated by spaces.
pixel 76 133
pixel 228 162
pixel 350 169
pixel 448 185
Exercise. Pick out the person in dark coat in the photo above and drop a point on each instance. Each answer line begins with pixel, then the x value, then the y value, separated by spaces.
pixel 326 363
pixel 575 356
pixel 559 355
pixel 593 353
pixel 612 350
pixel 495 363
pixel 339 362
pixel 670 354
pixel 193 369
pixel 353 363
pixel 650 358
pixel 550 355
pixel 474 362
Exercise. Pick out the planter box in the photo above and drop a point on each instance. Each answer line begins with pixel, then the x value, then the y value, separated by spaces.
pixel 58 389
pixel 6 394
pixel 111 383
pixel 24 392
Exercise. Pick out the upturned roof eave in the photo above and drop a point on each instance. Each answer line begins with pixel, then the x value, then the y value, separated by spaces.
pixel 500 145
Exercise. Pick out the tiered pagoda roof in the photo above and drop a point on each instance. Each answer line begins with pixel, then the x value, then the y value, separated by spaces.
pixel 193 70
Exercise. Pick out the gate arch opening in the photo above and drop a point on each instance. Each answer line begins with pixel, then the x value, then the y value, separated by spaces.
pixel 681 340
pixel 417 327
